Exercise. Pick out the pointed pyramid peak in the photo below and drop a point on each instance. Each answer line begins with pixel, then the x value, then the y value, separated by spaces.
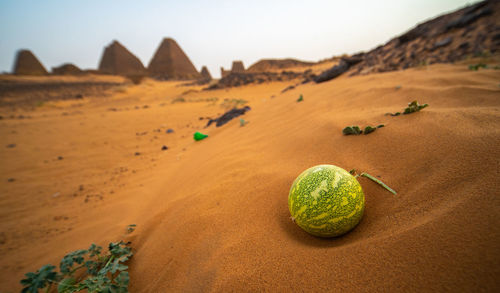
pixel 118 60
pixel 27 64
pixel 168 39
pixel 205 74
pixel 170 62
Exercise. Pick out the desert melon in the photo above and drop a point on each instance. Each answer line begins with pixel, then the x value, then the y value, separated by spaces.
pixel 326 201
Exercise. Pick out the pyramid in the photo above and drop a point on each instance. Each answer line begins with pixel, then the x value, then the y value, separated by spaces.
pixel 170 62
pixel 27 64
pixel 117 60
pixel 67 69
pixel 237 67
pixel 205 74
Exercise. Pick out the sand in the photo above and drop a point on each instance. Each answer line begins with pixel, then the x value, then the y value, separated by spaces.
pixel 213 216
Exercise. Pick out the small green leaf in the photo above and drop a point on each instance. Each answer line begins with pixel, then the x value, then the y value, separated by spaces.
pixel 300 99
pixel 94 250
pixel 354 130
pixel 369 129
pixel 71 258
pixel 414 107
pixel 67 286
pixel 92 267
pixel 40 279
pixel 380 125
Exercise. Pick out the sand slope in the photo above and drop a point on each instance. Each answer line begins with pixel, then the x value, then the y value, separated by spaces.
pixel 213 215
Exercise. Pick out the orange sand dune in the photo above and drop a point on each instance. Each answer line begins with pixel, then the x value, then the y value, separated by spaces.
pixel 213 215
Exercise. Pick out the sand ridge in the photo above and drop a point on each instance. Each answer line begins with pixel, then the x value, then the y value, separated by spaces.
pixel 213 215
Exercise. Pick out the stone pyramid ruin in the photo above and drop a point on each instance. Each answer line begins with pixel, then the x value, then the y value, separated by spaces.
pixel 223 72
pixel 205 74
pixel 237 67
pixel 170 62
pixel 117 60
pixel 67 69
pixel 27 64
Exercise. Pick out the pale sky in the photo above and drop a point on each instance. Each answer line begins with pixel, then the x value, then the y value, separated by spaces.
pixel 211 33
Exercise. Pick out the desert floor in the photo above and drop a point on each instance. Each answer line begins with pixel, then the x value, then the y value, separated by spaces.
pixel 213 215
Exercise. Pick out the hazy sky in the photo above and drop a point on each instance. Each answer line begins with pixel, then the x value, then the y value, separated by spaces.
pixel 212 33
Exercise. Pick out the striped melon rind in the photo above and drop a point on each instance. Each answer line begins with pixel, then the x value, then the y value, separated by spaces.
pixel 326 201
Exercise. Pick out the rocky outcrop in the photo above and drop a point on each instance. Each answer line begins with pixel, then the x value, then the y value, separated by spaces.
pixel 471 31
pixel 27 64
pixel 240 79
pixel 266 65
pixel 344 64
pixel 171 63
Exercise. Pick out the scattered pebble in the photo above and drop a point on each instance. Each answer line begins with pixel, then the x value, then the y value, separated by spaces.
pixel 60 158
pixel 11 180
pixel 12 145
pixel 56 194
pixel 81 187
pixel 170 130
pixel 164 148
pixel 137 154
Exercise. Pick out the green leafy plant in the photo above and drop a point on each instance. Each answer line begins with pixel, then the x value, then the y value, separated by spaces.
pixel 352 130
pixel 301 98
pixel 355 130
pixel 85 269
pixel 364 174
pixel 412 107
pixel 475 67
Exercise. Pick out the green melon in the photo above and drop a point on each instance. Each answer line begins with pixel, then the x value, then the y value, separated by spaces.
pixel 326 201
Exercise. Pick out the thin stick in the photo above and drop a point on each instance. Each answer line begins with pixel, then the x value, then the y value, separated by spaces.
pixel 379 182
